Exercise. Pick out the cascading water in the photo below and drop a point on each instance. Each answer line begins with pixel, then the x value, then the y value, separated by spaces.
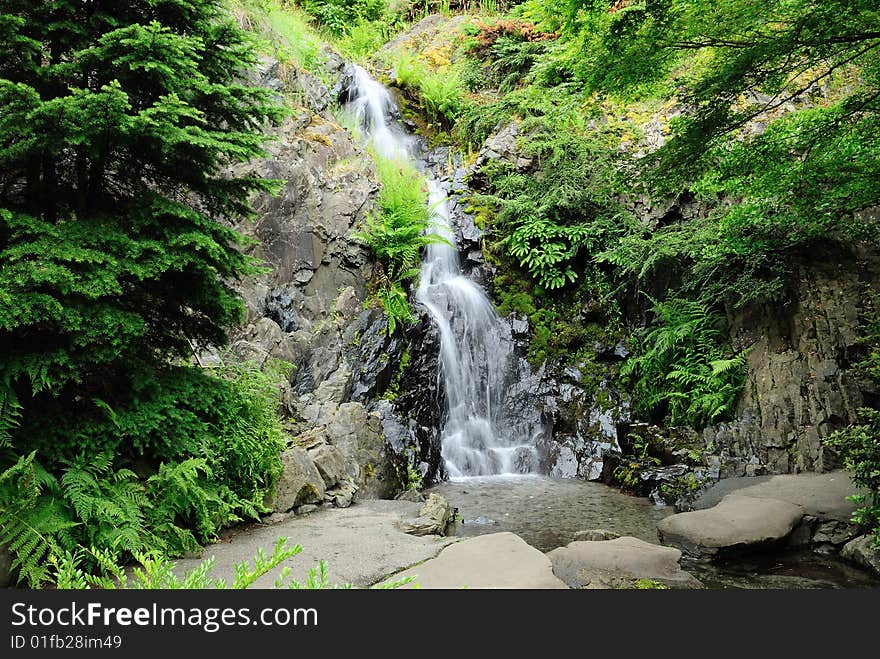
pixel 476 353
pixel 372 107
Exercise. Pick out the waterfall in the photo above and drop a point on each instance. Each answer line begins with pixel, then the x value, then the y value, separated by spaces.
pixel 476 353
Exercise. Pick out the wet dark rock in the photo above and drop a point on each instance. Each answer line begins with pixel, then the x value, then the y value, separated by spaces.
pixel 863 552
pixel 616 353
pixel 374 354
pixel 5 567
pixel 280 305
pixel 420 405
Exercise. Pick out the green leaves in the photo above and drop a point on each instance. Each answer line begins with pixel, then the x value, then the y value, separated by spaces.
pixel 681 370
pixel 215 443
pixel 555 218
pixel 859 446
pixel 397 233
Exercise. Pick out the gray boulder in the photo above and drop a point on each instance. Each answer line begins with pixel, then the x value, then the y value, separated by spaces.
pixel 330 463
pixel 822 496
pixel 737 523
pixel 300 482
pixel 342 495
pixel 372 464
pixel 862 552
pixel 433 517
pixel 619 563
pixel 503 146
pixel 336 388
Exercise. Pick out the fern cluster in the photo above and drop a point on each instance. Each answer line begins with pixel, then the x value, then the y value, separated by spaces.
pixel 207 447
pixel 682 371
pixel 555 219
pixel 396 233
pixel 440 93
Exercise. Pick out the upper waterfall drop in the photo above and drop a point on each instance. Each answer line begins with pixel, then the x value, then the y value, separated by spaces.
pixel 372 107
pixel 476 352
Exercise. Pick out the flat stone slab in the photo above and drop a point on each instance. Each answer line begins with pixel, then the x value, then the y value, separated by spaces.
pixel 822 496
pixel 737 522
pixel 619 563
pixel 361 544
pixel 497 560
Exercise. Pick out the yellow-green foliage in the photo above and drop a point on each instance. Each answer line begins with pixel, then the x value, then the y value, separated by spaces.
pixel 440 92
pixel 283 31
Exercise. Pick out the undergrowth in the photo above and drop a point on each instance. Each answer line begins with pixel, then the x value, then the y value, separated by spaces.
pixel 187 454
pixel 682 370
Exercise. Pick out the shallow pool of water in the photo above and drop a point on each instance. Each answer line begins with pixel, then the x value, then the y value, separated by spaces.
pixel 548 512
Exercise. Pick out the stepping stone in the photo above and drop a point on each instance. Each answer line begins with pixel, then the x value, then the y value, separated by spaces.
pixel 497 560
pixel 619 563
pixel 823 496
pixel 737 523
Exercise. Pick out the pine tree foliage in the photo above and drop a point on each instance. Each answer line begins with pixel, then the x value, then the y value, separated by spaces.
pixel 119 121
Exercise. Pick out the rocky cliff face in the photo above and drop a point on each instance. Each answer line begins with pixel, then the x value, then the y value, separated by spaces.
pixel 375 402
pixel 801 386
pixel 310 306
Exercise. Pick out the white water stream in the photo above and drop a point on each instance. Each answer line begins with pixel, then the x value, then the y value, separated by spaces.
pixel 475 349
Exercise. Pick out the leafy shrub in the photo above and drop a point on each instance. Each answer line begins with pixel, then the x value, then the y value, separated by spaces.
pixel 628 471
pixel 364 38
pixel 441 93
pixel 338 15
pixel 681 368
pixel 550 217
pixel 155 572
pixel 397 232
pixel 859 446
